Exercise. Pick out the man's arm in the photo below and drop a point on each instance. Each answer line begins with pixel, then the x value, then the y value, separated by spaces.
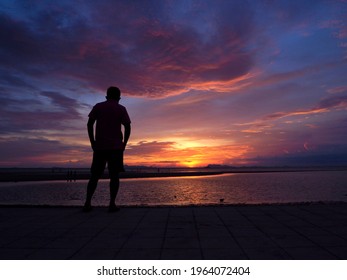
pixel 127 131
pixel 90 126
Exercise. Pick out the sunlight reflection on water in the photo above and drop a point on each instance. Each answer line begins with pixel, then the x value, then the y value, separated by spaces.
pixel 251 188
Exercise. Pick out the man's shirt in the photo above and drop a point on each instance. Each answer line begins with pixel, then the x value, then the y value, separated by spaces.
pixel 109 116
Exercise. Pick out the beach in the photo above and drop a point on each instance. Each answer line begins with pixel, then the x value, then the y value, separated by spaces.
pixel 240 232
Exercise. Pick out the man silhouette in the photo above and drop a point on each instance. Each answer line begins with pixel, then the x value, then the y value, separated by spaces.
pixel 108 144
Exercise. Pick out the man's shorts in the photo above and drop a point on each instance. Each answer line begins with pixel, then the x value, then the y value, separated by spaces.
pixel 113 158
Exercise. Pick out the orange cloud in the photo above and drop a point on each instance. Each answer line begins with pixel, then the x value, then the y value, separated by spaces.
pixel 280 115
pixel 171 154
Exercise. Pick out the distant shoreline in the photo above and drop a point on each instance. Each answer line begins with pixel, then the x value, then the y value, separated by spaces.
pixel 256 205
pixel 61 174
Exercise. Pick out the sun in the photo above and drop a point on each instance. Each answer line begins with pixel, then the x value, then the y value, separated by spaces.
pixel 192 163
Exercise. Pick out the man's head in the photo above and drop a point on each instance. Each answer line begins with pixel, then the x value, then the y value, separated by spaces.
pixel 113 93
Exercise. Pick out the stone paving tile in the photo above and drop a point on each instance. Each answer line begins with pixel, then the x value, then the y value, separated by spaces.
pixel 255 241
pixel 48 232
pixel 290 241
pixel 237 223
pixel 339 251
pixel 144 243
pixel 5 240
pixel 15 253
pixel 51 254
pixel 181 232
pixel 30 242
pixel 145 224
pixel 106 241
pixel 309 253
pixel 149 232
pixel 18 231
pixel 218 232
pixel 224 254
pixel 138 254
pixel 82 232
pixel 266 253
pixel 68 243
pixel 247 231
pixel 278 231
pixel 312 230
pixel 181 254
pixel 328 240
pixel 218 243
pixel 297 222
pixel 181 243
pixel 88 253
pixel 338 230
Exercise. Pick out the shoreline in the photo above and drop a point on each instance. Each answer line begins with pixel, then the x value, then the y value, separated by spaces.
pixel 64 174
pixel 27 177
pixel 303 203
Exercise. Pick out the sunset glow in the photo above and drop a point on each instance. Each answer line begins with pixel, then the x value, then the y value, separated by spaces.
pixel 204 82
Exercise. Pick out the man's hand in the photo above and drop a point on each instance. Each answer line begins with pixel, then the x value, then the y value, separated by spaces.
pixel 92 144
pixel 127 131
pixel 123 146
pixel 90 126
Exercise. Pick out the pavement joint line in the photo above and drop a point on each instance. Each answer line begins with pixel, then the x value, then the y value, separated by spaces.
pixel 52 222
pixel 316 214
pixel 87 242
pixel 63 234
pixel 231 234
pixel 25 236
pixel 165 232
pixel 307 221
pixel 266 234
pixel 131 234
pixel 298 232
pixel 324 229
pixel 198 235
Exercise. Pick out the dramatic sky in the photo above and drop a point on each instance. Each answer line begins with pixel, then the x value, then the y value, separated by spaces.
pixel 205 82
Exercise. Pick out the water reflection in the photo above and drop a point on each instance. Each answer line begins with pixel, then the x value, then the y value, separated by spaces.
pixel 219 189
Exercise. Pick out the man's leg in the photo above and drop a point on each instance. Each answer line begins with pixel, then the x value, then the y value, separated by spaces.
pixel 114 187
pixel 91 187
pixel 97 168
pixel 115 165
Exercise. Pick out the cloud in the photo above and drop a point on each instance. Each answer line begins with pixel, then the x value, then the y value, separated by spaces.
pixel 138 49
pixel 66 105
pixel 340 89
pixel 26 114
pixel 161 153
pixel 334 102
pixel 325 105
pixel 41 152
pixel 304 160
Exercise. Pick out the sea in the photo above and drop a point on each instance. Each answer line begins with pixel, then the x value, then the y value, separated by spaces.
pixel 223 189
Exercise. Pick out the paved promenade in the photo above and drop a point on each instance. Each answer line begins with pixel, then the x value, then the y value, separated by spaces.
pixel 274 232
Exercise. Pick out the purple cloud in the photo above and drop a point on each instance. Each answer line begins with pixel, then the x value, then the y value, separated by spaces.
pixel 325 105
pixel 40 152
pixel 140 51
pixel 24 114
